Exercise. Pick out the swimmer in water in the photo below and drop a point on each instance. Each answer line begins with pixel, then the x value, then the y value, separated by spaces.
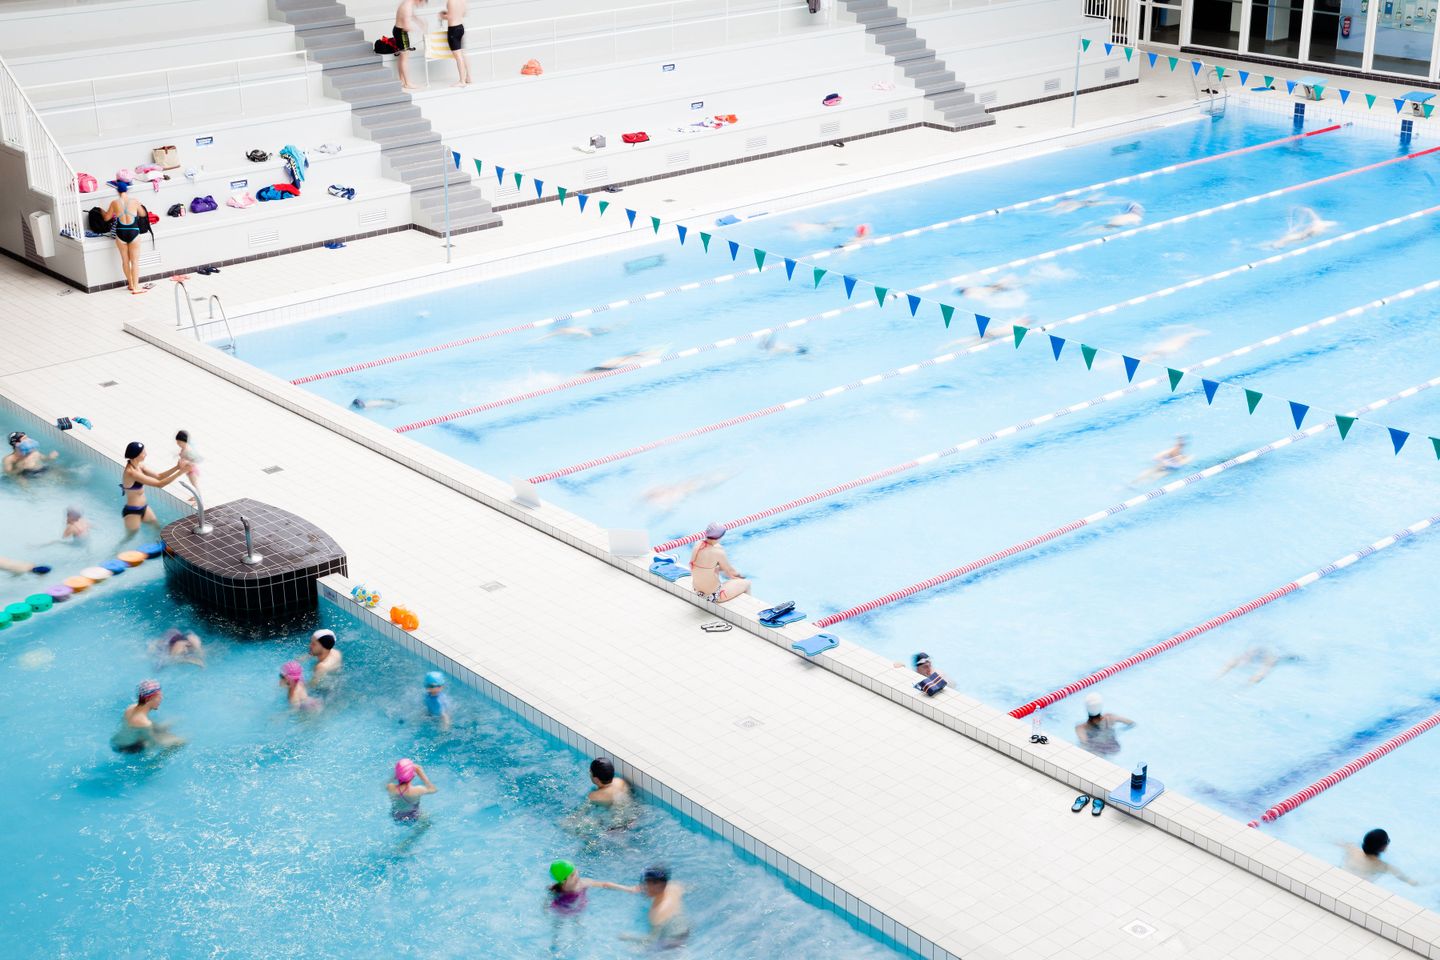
pixel 568 892
pixel 1263 659
pixel 328 660
pixel 1170 346
pixel 292 678
pixel 25 458
pixel 437 704
pixel 669 927
pixel 374 403
pixel 1072 204
pixel 405 793
pixel 77 528
pixel 1167 461
pixel 576 333
pixel 668 496
pixel 990 292
pixel 772 345
pixel 1365 859
pixel 177 647
pixel 806 229
pixel 20 567
pixel 138 732
pixel 1305 224
pixel 133 481
pixel 1132 215
pixel 626 359
pixel 1097 733
pixel 610 790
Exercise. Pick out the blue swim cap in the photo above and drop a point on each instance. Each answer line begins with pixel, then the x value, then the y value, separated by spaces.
pixel 434 679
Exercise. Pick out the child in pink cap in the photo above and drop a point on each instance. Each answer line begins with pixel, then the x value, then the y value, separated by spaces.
pixel 405 793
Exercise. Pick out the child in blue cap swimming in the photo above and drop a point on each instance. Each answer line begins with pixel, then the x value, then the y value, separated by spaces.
pixel 437 704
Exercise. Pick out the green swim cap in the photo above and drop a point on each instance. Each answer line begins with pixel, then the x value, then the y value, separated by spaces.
pixel 562 870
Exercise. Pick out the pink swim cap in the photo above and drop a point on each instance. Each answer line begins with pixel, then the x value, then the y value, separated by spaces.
pixel 292 671
pixel 404 771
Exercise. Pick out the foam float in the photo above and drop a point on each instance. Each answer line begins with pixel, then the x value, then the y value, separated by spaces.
pixel 84 580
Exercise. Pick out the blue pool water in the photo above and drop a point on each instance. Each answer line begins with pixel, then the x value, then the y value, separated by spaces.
pixel 1355 670
pixel 269 835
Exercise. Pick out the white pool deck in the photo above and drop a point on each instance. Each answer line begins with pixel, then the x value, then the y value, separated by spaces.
pixel 936 817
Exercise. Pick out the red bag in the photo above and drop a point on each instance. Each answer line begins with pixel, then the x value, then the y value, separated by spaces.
pixel 640 137
pixel 152 217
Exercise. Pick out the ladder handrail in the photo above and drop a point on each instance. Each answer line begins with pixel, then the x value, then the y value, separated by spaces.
pixel 213 301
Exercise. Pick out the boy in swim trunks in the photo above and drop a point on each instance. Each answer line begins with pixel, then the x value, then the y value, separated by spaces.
pixel 25 457
pixel 454 17
pixel 406 23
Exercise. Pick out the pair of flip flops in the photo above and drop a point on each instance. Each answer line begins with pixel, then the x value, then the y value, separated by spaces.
pixel 1096 804
pixel 207 271
pixel 715 626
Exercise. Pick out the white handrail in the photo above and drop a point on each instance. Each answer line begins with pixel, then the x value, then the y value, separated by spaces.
pixel 238 83
pixel 46 168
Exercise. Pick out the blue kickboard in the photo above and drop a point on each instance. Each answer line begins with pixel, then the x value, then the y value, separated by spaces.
pixel 794 616
pixel 816 645
pixel 667 568
pixel 1125 797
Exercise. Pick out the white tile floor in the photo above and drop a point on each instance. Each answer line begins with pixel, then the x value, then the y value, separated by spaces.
pixel 841 780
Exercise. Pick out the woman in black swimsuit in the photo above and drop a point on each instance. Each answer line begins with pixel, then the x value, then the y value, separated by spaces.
pixel 125 213
pixel 134 481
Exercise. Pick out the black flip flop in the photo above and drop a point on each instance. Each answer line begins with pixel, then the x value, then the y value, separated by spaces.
pixel 1079 803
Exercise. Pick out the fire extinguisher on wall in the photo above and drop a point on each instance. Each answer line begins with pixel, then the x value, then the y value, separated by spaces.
pixel 1344 26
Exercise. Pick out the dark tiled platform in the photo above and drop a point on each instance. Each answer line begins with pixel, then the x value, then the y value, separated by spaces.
pixel 210 570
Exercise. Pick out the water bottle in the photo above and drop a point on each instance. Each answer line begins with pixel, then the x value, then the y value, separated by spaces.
pixel 1137 779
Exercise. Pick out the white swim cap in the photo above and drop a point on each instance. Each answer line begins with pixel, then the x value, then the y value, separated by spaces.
pixel 1092 705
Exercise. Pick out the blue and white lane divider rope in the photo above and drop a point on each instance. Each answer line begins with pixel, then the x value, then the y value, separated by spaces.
pixel 922 365
pixel 1024 425
pixel 776 265
pixel 1100 515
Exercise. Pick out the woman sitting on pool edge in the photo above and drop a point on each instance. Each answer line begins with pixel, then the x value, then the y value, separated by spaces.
pixel 133 482
pixel 708 561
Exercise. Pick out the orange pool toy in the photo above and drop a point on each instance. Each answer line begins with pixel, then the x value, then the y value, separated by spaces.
pixel 131 558
pixel 404 618
pixel 79 583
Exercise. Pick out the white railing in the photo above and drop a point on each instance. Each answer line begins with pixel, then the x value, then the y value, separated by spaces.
pixel 610 36
pixel 123 96
pixel 1124 17
pixel 46 168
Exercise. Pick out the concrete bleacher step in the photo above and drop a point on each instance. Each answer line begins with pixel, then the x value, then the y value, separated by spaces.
pixel 892 33
pixel 386 114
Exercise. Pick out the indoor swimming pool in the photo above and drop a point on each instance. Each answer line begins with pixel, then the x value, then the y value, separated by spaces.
pixel 268 834
pixel 863 450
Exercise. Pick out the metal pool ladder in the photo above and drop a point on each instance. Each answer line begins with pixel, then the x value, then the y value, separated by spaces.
pixel 1214 88
pixel 213 301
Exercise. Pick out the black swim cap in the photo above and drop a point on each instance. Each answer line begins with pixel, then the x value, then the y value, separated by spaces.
pixel 602 769
pixel 183 436
pixel 16 437
pixel 657 874
pixel 133 449
pixel 1375 842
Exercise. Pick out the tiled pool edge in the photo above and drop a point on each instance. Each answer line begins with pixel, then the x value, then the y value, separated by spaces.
pixel 1332 889
pixel 335 591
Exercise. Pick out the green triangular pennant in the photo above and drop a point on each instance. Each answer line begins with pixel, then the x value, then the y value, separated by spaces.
pixel 947 311
pixel 759 259
pixel 1269 81
pixel 561 191
pixel 1129 52
pixel 1319 91
pixel 819 275
pixel 478 166
pixel 655 224
pixel 1084 44
pixel 1175 377
pixel 519 177
pixel 1088 353
pixel 1219 73
pixel 1429 108
pixel 1173 62
pixel 1252 398
pixel 1019 332
pixel 1435 442
pixel 604 205
pixel 880 295
pixel 1369 100
pixel 705 241
pixel 1344 423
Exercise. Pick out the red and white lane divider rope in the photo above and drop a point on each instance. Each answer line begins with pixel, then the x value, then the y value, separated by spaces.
pixel 1104 673
pixel 1351 768
pixel 933 361
pixel 1048 417
pixel 776 265
pixel 1135 501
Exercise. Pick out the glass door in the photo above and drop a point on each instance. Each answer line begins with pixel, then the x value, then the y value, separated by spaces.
pixel 1161 23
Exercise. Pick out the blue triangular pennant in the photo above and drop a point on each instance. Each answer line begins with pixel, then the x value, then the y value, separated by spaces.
pixel 1153 57
pixel 734 249
pixel 457 159
pixel 1131 365
pixel 499 174
pixel 539 188
pixel 1298 411
pixel 582 199
pixel 630 215
pixel 1057 344
pixel 1344 95
pixel 1109 48
pixel 849 287
pixel 914 303
pixel 1196 65
pixel 681 229
pixel 1398 437
pixel 981 323
pixel 1399 105
pixel 1244 76
pixel 1210 387
pixel 789 269
pixel 1289 86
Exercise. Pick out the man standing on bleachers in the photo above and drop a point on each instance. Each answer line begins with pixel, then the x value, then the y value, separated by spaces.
pixel 406 23
pixel 454 17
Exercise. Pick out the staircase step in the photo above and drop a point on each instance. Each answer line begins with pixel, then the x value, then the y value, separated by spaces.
pixel 914 56
pixel 874 20
pixel 940 89
pixel 356 77
pixel 385 113
pixel 898 48
pixel 293 6
pixel 366 98
pixel 945 102
pixel 319 18
pixel 395 141
pixel 407 126
pixel 326 37
pixel 894 35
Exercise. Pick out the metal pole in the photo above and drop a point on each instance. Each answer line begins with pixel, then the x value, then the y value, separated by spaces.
pixel 1075 96
pixel 445 163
